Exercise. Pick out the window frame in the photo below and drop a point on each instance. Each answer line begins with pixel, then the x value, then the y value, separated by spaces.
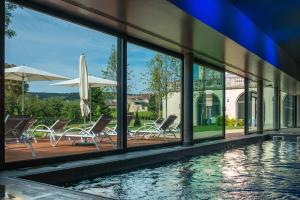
pixel 122 39
pixel 221 69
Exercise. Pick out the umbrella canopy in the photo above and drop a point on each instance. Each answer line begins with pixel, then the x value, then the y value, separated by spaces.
pixel 83 87
pixel 92 82
pixel 24 73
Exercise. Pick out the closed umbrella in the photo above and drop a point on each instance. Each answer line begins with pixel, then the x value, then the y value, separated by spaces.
pixel 83 87
pixel 24 73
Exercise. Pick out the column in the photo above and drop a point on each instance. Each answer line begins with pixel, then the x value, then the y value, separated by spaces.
pixel 188 100
pixel 246 117
pixel 260 110
pixel 2 110
pixel 298 111
pixel 122 94
pixel 276 109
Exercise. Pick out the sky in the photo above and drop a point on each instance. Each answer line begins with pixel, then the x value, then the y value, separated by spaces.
pixel 54 45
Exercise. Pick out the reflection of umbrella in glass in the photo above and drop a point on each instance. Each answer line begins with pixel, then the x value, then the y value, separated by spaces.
pixel 92 82
pixel 83 87
pixel 25 73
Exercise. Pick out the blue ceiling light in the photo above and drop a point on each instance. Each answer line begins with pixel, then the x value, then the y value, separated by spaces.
pixel 224 17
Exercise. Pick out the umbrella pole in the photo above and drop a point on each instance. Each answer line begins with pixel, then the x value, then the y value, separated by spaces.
pixel 23 95
pixel 90 91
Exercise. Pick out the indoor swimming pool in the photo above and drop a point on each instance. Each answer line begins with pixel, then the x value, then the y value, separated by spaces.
pixel 268 170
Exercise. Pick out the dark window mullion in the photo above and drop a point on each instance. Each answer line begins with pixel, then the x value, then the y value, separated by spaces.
pixel 2 63
pixel 122 94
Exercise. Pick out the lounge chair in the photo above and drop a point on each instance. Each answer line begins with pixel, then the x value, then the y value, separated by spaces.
pixel 53 131
pixel 163 129
pixel 18 128
pixel 177 128
pixel 156 123
pixel 96 132
pixel 113 131
pixel 29 129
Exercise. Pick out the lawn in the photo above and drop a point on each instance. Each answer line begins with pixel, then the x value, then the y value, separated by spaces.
pixel 211 131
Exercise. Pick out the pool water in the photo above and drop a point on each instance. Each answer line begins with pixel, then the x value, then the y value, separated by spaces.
pixel 269 170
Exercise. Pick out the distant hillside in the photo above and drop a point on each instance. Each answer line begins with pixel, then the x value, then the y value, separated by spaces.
pixel 65 96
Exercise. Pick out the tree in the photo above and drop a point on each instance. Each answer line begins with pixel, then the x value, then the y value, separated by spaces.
pixel 71 111
pixel 9 8
pixel 164 78
pixel 111 69
pixel 110 72
pixel 98 99
pixel 13 92
pixel 137 121
pixel 13 89
pixel 152 104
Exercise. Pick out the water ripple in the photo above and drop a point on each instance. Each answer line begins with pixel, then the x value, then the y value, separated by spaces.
pixel 270 170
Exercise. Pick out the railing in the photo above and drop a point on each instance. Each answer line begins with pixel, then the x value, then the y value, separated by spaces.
pixel 216 84
pixel 235 82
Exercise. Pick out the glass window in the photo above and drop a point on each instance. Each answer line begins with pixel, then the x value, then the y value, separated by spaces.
pixel 252 106
pixel 268 107
pixel 208 97
pixel 234 103
pixel 42 100
pixel 154 90
pixel 287 110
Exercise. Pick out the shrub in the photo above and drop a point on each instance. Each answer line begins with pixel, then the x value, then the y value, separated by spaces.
pixel 147 115
pixel 230 121
pixel 219 120
pixel 240 122
pixel 71 111
pixel 137 121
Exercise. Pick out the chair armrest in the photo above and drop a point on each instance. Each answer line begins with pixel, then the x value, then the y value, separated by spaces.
pixel 45 128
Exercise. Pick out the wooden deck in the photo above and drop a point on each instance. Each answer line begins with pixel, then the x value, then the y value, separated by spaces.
pixel 43 148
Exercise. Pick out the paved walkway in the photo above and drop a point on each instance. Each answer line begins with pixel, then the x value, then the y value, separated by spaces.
pixel 14 189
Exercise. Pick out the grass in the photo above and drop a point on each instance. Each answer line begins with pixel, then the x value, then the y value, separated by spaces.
pixel 214 128
pixel 211 131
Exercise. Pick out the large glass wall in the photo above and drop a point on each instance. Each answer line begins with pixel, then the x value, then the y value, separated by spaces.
pixel 208 95
pixel 153 97
pixel 269 107
pixel 46 116
pixel 234 104
pixel 288 111
pixel 252 106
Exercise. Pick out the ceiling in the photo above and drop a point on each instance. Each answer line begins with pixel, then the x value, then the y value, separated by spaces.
pixel 163 24
pixel 278 19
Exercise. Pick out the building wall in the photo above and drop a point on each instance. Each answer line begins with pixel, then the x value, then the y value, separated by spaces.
pixel 231 98
pixel 269 107
pixel 173 105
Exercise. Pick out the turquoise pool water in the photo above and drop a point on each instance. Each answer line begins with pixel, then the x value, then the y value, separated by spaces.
pixel 270 170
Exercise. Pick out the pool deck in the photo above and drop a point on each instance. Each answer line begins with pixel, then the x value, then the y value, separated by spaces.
pixel 16 183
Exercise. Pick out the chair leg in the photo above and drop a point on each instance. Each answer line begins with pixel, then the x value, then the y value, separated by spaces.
pixel 55 144
pixel 31 135
pixel 31 149
pixel 109 138
pixel 95 140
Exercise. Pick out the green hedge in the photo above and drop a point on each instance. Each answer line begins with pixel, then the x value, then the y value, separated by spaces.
pixel 147 115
